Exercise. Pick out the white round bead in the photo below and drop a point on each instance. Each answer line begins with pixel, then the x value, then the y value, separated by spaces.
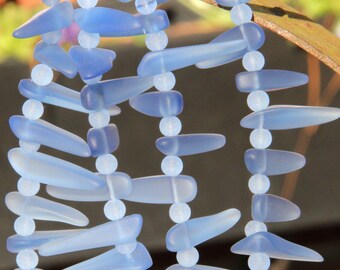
pixel 146 7
pixel 24 226
pixel 87 3
pixel 88 40
pixel 259 261
pixel 114 209
pixel 32 109
pixel 106 164
pixel 93 80
pixel 240 14
pixel 188 258
pixel 179 212
pixel 259 184
pixel 165 81
pixel 126 249
pixel 254 227
pixel 170 126
pixel 253 61
pixel 42 74
pixel 27 259
pixel 27 187
pixel 258 100
pixel 29 146
pixel 156 41
pixel 260 138
pixel 172 165
pixel 99 119
pixel 52 37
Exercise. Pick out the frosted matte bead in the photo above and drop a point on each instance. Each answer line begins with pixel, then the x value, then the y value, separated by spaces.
pixel 103 140
pixel 88 40
pixel 165 81
pixel 172 165
pixel 288 116
pixel 128 227
pixel 33 109
pixel 87 3
pixel 259 184
pixel 195 267
pixel 146 7
pixel 156 41
pixel 231 3
pixel 196 231
pixel 260 138
pixel 29 146
pixel 127 249
pixel 94 80
pixel 259 261
pixel 254 227
pixel 99 119
pixel 270 208
pixel 114 209
pixel 275 247
pixel 258 100
pixel 273 162
pixel 27 259
pixel 106 164
pixel 170 126
pixel 27 187
pixel 24 226
pixel 52 37
pixel 240 14
pixel 51 2
pixel 188 258
pixel 42 74
pixel 180 212
pixel 253 61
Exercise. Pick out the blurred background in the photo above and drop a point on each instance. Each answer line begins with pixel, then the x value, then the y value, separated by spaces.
pixel 212 104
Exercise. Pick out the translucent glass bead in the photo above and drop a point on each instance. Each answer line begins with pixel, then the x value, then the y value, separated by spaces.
pixel 42 74
pixel 156 41
pixel 127 248
pixel 94 80
pixel 51 2
pixel 165 81
pixel 253 61
pixel 52 37
pixel 180 212
pixel 24 226
pixel 29 146
pixel 259 184
pixel 114 209
pixel 259 261
pixel 27 187
pixel 88 40
pixel 260 138
pixel 32 109
pixel 240 14
pixel 253 227
pixel 99 119
pixel 146 7
pixel 258 100
pixel 27 259
pixel 106 164
pixel 170 126
pixel 172 165
pixel 87 3
pixel 187 258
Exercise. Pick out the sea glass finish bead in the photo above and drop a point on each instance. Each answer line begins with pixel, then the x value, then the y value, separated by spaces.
pixel 172 165
pixel 99 119
pixel 170 126
pixel 253 61
pixel 114 209
pixel 241 13
pixel 258 100
pixel 275 247
pixel 127 248
pixel 42 74
pixel 170 189
pixel 273 162
pixel 27 259
pixel 43 209
pixel 179 212
pixel 87 3
pixel 24 226
pixel 106 164
pixel 259 261
pixel 129 228
pixel 156 41
pixel 29 146
pixel 269 80
pixel 253 227
pixel 28 187
pixel 231 3
pixel 190 144
pixel 260 138
pixel 188 258
pixel 158 104
pixel 165 81
pixel 282 117
pixel 88 40
pixel 103 140
pixel 146 7
pixel 32 109
pixel 196 231
pixel 270 208
pixel 195 267
pixel 52 37
pixel 259 184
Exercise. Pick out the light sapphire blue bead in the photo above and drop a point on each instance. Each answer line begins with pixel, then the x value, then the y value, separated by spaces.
pixel 103 140
pixel 112 259
pixel 158 104
pixel 52 19
pixel 271 208
pixel 275 247
pixel 107 93
pixel 55 57
pixel 272 162
pixel 52 171
pixel 250 32
pixel 158 62
pixel 53 94
pixel 231 3
pixel 42 132
pixel 128 227
pixel 43 209
pixel 196 231
pixel 195 267
pixel 269 80
pixel 288 116
pixel 17 243
pixel 170 189
pixel 154 22
pixel 190 144
pixel 93 62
